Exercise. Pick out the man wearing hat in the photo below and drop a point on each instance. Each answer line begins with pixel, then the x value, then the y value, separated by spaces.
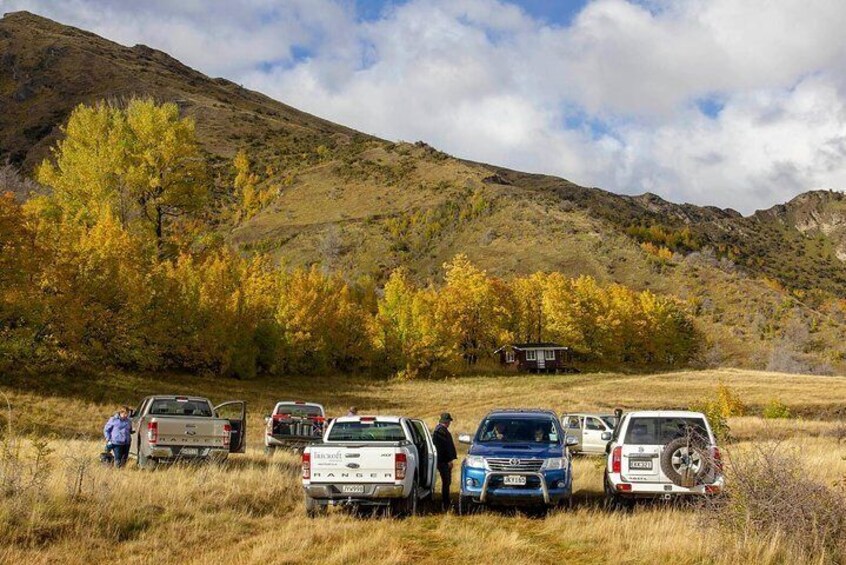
pixel 446 455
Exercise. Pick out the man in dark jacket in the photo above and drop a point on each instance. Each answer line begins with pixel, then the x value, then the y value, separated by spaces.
pixel 446 455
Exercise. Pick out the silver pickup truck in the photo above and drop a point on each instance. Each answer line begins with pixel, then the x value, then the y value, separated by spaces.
pixel 172 428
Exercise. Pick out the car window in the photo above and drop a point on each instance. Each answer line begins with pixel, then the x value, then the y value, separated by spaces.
pixel 573 423
pixel 660 431
pixel 594 424
pixel 180 407
pixel 518 430
pixel 298 410
pixel 610 420
pixel 366 431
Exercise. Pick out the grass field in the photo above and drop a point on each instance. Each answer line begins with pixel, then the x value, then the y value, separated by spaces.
pixel 250 510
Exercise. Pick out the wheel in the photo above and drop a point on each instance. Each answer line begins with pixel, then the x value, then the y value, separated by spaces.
pixel 686 462
pixel 466 506
pixel 406 506
pixel 614 501
pixel 313 507
pixel 146 462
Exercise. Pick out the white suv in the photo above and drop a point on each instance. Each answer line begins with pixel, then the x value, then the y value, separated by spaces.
pixel 662 454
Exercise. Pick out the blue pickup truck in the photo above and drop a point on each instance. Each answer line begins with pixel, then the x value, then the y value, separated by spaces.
pixel 517 457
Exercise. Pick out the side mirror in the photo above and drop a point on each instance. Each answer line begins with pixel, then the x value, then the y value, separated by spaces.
pixel 571 441
pixel 605 436
pixel 465 438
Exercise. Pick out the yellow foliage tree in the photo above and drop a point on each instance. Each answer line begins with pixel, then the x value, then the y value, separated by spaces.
pixel 142 164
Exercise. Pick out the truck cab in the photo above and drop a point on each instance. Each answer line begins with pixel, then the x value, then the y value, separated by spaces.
pixel 516 457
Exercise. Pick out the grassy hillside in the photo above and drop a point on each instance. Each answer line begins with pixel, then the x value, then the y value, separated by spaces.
pixel 250 510
pixel 767 288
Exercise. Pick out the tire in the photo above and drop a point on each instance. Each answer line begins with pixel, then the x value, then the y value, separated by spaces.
pixel 313 508
pixel 466 506
pixel 406 506
pixel 614 501
pixel 686 462
pixel 145 462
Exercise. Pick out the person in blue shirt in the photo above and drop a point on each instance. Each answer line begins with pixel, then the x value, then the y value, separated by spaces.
pixel 118 433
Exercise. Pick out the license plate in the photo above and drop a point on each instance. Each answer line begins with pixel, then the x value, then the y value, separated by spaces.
pixel 189 451
pixel 642 464
pixel 514 480
pixel 352 489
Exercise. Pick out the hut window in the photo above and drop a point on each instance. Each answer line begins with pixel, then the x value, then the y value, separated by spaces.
pixel 531 355
pixel 509 356
pixel 549 354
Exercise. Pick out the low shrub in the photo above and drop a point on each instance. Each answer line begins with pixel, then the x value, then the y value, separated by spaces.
pixel 769 494
pixel 776 409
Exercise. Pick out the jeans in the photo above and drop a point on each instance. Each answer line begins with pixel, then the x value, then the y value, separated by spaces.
pixel 446 479
pixel 121 453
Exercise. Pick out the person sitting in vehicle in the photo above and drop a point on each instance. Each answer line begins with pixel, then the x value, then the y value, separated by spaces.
pixel 540 434
pixel 496 433
pixel 118 433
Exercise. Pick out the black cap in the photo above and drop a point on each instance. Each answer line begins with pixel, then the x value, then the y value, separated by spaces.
pixel 445 417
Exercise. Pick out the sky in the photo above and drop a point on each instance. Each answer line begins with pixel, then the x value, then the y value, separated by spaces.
pixel 714 102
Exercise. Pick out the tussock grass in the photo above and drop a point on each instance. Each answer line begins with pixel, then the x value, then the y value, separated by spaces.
pixel 249 510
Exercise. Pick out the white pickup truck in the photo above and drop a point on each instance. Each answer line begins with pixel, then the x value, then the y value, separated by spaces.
pixel 176 428
pixel 370 461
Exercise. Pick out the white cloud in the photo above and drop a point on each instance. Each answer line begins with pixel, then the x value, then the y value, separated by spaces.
pixel 610 100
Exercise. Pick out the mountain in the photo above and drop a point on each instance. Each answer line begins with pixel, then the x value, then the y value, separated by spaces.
pixel 766 288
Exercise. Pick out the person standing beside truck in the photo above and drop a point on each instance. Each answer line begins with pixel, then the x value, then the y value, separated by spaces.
pixel 446 455
pixel 118 433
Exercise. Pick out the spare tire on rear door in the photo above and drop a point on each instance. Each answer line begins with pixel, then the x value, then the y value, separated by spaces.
pixel 686 461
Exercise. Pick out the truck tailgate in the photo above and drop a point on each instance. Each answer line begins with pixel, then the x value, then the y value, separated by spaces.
pixel 175 430
pixel 352 463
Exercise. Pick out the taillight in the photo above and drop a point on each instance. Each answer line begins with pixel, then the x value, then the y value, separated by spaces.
pixel 227 434
pixel 400 466
pixel 152 432
pixel 617 460
pixel 718 459
pixel 624 487
pixel 306 466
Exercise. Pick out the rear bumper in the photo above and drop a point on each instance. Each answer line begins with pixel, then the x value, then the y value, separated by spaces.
pixel 624 488
pixel 482 486
pixel 373 493
pixel 286 440
pixel 178 453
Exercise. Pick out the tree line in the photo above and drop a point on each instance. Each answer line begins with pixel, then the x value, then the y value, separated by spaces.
pixel 119 264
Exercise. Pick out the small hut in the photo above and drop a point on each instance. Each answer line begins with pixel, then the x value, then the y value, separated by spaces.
pixel 536 357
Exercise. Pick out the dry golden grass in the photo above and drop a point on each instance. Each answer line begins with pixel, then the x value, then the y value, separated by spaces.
pixel 250 509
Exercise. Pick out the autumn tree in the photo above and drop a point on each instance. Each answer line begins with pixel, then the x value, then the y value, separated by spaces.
pixel 142 163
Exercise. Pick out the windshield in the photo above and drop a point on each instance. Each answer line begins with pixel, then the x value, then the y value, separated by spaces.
pixel 180 407
pixel 518 430
pixel 298 410
pixel 366 431
pixel 661 431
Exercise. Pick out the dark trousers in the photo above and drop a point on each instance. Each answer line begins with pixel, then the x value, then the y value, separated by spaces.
pixel 121 453
pixel 446 479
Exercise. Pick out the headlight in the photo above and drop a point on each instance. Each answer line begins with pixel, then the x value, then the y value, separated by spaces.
pixel 476 462
pixel 554 464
